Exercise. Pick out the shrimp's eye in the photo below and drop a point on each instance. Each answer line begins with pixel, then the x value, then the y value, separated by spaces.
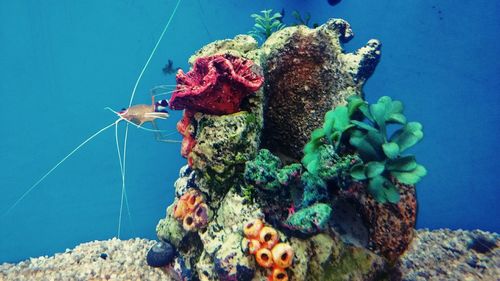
pixel 164 103
pixel 123 109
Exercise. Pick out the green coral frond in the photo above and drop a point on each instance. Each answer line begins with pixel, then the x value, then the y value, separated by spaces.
pixel 358 172
pixel 363 126
pixel 408 136
pixel 266 24
pixel 391 150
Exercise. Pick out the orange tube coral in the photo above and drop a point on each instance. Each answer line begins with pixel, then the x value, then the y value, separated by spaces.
pixel 264 257
pixel 279 274
pixel 250 245
pixel 200 215
pixel 253 228
pixel 268 237
pixel 193 200
pixel 253 246
pixel 180 209
pixel 282 255
pixel 188 223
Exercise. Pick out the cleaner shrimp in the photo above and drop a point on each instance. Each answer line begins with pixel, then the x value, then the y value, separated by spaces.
pixel 136 115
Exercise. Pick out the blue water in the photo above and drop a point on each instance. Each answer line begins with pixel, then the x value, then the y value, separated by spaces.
pixel 62 62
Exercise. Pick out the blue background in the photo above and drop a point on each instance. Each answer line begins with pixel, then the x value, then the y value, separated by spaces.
pixel 62 62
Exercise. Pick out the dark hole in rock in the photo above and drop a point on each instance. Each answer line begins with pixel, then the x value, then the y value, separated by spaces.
pixel 348 223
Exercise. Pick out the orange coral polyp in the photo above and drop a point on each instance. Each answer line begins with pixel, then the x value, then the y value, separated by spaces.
pixel 253 228
pixel 268 237
pixel 180 209
pixel 264 258
pixel 282 255
pixel 193 201
pixel 253 246
pixel 188 222
pixel 279 274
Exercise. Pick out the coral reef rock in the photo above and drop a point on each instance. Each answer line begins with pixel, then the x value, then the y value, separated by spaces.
pixel 237 180
pixel 307 74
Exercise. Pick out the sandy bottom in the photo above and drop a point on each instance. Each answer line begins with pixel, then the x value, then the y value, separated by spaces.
pixel 433 255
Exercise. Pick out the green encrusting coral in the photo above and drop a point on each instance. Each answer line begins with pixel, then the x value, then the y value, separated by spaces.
pixel 363 128
pixel 310 220
pixel 314 189
pixel 266 173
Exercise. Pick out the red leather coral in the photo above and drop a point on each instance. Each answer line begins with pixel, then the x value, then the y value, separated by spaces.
pixel 216 85
pixel 186 129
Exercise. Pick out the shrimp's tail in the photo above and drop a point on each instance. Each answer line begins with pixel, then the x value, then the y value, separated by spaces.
pixel 29 190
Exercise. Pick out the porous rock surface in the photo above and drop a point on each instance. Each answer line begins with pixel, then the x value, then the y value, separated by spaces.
pixel 307 73
pixel 450 255
pixel 390 226
pixel 433 255
pixel 121 260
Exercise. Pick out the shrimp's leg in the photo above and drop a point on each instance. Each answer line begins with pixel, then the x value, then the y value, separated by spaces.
pixel 56 166
pixel 161 93
pixel 162 138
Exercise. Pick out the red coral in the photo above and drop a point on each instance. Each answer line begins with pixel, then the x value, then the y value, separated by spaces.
pixel 185 127
pixel 216 85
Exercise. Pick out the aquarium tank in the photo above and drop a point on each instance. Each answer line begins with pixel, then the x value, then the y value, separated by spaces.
pixel 249 140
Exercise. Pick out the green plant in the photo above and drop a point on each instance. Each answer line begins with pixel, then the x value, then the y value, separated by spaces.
pixel 299 20
pixel 381 154
pixel 364 127
pixel 266 24
pixel 337 122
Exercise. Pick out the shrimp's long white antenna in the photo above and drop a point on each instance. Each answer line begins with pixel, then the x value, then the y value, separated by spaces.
pixel 123 180
pixel 130 104
pixel 55 167
pixel 122 172
pixel 152 53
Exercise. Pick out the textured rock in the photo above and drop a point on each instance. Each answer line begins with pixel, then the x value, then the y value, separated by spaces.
pixel 450 255
pixel 125 260
pixel 241 46
pixel 433 255
pixel 390 226
pixel 307 74
pixel 325 258
pixel 222 240
pixel 224 144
